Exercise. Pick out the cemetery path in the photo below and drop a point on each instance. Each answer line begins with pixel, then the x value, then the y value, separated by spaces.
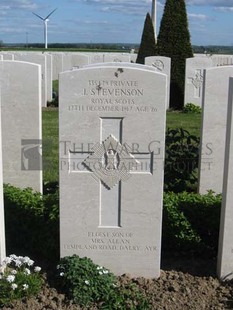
pixel 173 290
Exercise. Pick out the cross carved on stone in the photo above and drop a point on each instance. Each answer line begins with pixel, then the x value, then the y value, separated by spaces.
pixel 110 163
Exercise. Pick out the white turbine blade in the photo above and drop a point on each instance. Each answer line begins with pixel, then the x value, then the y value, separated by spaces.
pixel 50 14
pixel 38 15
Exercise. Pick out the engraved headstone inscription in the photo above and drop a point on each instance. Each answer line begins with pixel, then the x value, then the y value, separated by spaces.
pixel 112 133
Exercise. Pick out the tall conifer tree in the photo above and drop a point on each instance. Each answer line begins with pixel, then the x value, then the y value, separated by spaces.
pixel 174 42
pixel 147 46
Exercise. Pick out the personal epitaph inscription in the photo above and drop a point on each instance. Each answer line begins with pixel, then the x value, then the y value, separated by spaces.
pixel 112 129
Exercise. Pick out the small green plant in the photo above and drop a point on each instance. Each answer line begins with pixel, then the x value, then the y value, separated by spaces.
pixel 34 215
pixel 87 283
pixel 181 160
pixel 191 222
pixel 191 108
pixel 18 279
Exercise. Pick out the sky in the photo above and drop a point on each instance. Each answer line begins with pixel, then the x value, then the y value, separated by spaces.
pixel 108 21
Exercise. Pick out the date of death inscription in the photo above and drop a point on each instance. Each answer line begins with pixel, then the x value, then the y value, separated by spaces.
pixel 112 96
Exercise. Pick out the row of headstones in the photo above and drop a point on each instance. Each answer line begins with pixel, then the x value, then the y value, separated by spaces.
pixel 52 64
pixel 46 63
pixel 118 109
pixel 21 100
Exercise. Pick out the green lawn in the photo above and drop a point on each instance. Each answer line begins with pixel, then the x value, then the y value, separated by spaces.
pixel 50 144
pixel 190 122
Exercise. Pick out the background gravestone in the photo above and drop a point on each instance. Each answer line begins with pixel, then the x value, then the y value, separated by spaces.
pixel 222 60
pixel 49 71
pixel 41 60
pixel 163 65
pixel 21 124
pixel 194 78
pixel 57 61
pixel 213 135
pixel 118 57
pixel 71 60
pixel 2 221
pixel 112 133
pixel 96 57
pixel 7 56
pixel 225 249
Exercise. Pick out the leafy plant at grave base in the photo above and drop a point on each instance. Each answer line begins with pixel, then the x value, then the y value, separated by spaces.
pixel 191 222
pixel 181 160
pixel 55 100
pixel 35 219
pixel 147 46
pixel 87 283
pixel 192 108
pixel 19 279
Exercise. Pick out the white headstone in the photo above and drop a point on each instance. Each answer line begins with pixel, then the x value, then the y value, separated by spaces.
pixel 112 136
pixel 20 84
pixel 2 221
pixel 214 118
pixel 39 59
pixel 118 57
pixel 222 60
pixel 225 248
pixel 96 58
pixel 133 57
pixel 71 60
pixel 163 65
pixel 49 71
pixel 57 64
pixel 194 78
pixel 7 56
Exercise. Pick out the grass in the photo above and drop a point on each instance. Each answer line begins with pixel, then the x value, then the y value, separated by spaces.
pixel 55 86
pixel 189 122
pixel 50 145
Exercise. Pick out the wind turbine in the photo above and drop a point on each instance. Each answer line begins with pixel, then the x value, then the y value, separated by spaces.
pixel 45 20
pixel 154 16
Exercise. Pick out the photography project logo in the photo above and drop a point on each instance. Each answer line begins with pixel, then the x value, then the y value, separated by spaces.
pixel 31 154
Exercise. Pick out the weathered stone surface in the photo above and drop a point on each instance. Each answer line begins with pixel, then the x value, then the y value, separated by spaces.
pixel 112 135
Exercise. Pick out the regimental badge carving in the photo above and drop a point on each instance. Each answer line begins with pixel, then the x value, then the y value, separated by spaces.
pixel 158 64
pixel 197 80
pixel 110 162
